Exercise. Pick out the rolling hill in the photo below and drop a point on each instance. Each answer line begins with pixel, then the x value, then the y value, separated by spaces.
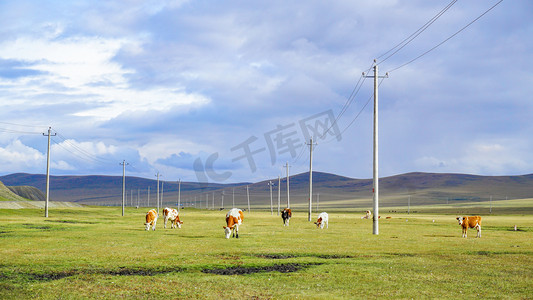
pixel 419 188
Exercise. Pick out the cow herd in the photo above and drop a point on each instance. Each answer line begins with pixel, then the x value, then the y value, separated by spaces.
pixel 235 217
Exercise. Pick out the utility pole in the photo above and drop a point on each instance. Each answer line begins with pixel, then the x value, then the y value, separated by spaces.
pixel 222 200
pixel 288 193
pixel 138 197
pixel 271 208
pixel 213 200
pixel 48 172
pixel 206 201
pixel 123 163
pixel 375 217
pixel 409 205
pixel 279 192
pixel 148 199
pixel 317 201
pixel 248 196
pixel 157 175
pixel 162 192
pixel 310 179
pixel 233 198
pixel 490 211
pixel 179 194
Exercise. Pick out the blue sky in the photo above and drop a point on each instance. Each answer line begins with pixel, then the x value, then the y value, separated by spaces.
pixel 231 91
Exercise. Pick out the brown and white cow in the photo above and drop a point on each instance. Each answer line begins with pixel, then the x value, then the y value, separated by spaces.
pixel 323 218
pixel 172 215
pixel 286 215
pixel 234 218
pixel 368 215
pixel 470 222
pixel 151 219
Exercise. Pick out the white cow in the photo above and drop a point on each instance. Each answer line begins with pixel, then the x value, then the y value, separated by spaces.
pixel 172 215
pixel 151 219
pixel 234 218
pixel 323 218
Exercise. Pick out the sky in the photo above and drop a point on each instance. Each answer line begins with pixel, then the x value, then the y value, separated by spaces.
pixel 233 91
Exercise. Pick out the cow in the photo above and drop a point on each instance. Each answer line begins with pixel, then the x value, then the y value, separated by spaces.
pixel 368 215
pixel 286 215
pixel 151 219
pixel 472 222
pixel 322 219
pixel 234 218
pixel 172 215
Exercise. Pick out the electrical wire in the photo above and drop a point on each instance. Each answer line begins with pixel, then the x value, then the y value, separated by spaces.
pixel 415 34
pixel 447 39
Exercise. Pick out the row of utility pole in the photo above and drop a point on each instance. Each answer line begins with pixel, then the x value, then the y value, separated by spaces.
pixel 311 144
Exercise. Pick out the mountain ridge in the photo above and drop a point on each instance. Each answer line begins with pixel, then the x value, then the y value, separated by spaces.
pixel 107 190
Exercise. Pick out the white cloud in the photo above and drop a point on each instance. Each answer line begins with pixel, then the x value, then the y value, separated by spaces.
pixel 17 157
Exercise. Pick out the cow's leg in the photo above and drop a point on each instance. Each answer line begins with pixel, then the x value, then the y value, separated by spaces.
pixel 147 225
pixel 237 231
pixel 478 227
pixel 155 222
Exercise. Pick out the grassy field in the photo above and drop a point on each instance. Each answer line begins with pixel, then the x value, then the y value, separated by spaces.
pixel 94 252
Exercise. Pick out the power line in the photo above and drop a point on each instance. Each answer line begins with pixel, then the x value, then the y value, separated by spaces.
pixel 447 39
pixel 415 34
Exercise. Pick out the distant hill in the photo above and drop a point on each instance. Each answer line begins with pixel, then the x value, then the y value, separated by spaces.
pixel 28 192
pixel 7 195
pixel 420 188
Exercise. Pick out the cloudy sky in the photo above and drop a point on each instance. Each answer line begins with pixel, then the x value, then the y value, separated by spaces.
pixel 230 91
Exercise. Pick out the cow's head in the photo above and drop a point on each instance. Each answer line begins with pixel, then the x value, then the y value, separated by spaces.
pixel 318 222
pixel 179 224
pixel 460 220
pixel 227 231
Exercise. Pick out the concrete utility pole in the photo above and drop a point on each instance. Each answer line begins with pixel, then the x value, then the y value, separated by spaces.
pixel 288 193
pixel 162 192
pixel 48 172
pixel 157 175
pixel 123 163
pixel 233 198
pixel 375 217
pixel 317 201
pixel 310 179
pixel 138 197
pixel 279 192
pixel 206 201
pixel 179 194
pixel 248 196
pixel 271 208
pixel 213 200
pixel 222 200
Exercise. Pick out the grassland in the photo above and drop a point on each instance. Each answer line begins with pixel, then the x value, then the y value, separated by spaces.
pixel 94 252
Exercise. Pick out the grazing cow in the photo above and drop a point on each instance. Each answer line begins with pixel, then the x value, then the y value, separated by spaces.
pixel 172 215
pixel 151 219
pixel 234 218
pixel 286 215
pixel 322 219
pixel 368 215
pixel 472 222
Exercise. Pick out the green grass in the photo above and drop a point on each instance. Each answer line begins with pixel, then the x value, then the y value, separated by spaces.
pixel 95 253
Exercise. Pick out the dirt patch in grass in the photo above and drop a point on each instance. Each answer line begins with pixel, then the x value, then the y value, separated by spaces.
pixel 70 221
pixel 125 271
pixel 276 256
pixel 243 270
pixel 121 271
pixel 286 256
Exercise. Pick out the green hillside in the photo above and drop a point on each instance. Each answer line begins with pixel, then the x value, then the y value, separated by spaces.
pixel 7 195
pixel 28 192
